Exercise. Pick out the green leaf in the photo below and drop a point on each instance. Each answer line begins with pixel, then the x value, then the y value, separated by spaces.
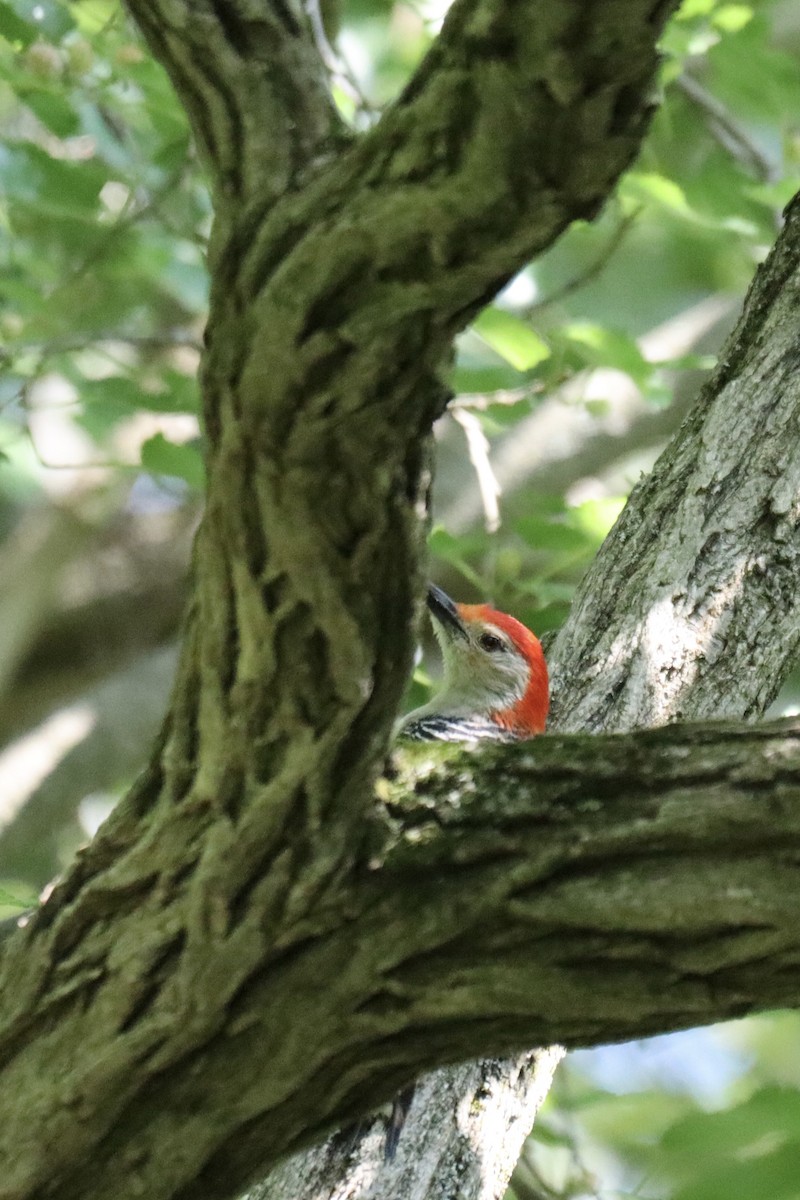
pixel 34 179
pixel 13 28
pixel 53 110
pixel 511 338
pixel 770 1175
pixel 768 1118
pixel 648 185
pixel 175 393
pixel 610 348
pixel 446 544
pixel 625 1120
pixel 548 1136
pixel 162 457
pixel 456 550
pixel 548 592
pixel 118 390
pixel 93 16
pixel 468 378
pixel 554 536
pixel 732 17
pixel 775 195
pixel 597 516
pixel 550 614
pixel 690 9
pixel 9 900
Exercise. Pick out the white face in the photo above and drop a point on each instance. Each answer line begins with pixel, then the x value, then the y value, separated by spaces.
pixel 483 671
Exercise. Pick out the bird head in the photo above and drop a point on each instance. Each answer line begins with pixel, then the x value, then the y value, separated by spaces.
pixel 495 684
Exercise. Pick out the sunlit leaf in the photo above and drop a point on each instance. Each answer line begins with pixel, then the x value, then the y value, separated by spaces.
pixel 597 516
pixel 610 348
pixel 511 338
pixel 647 185
pixel 690 9
pixel 732 17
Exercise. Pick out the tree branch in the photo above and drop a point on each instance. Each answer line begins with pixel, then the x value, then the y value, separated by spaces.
pixel 580 889
pixel 690 608
pixel 255 88
pixel 483 125
pixel 610 857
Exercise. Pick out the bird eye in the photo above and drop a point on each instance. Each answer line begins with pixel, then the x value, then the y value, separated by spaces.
pixel 488 641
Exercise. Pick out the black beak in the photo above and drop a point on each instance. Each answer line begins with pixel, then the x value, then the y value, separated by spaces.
pixel 444 611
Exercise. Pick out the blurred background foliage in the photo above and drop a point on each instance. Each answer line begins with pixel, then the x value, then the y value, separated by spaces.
pixel 567 387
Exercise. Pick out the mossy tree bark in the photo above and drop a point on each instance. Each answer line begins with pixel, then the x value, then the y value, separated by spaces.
pixel 690 611
pixel 236 963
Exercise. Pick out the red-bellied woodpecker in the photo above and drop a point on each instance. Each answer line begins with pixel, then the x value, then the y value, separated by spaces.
pixel 495 689
pixel 495 685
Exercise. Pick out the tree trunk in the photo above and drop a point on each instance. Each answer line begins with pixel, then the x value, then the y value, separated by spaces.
pixel 690 611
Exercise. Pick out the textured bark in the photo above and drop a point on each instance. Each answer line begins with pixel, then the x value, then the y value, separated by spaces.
pixel 583 889
pixel 253 84
pixel 455 1140
pixel 690 610
pixel 691 607
pixel 247 954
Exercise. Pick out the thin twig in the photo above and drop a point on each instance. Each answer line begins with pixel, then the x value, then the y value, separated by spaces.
pixel 595 268
pixel 81 341
pixel 478 448
pixel 334 60
pixel 480 401
pixel 724 128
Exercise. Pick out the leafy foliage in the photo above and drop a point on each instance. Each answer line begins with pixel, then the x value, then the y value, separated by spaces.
pixel 713 1114
pixel 104 220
